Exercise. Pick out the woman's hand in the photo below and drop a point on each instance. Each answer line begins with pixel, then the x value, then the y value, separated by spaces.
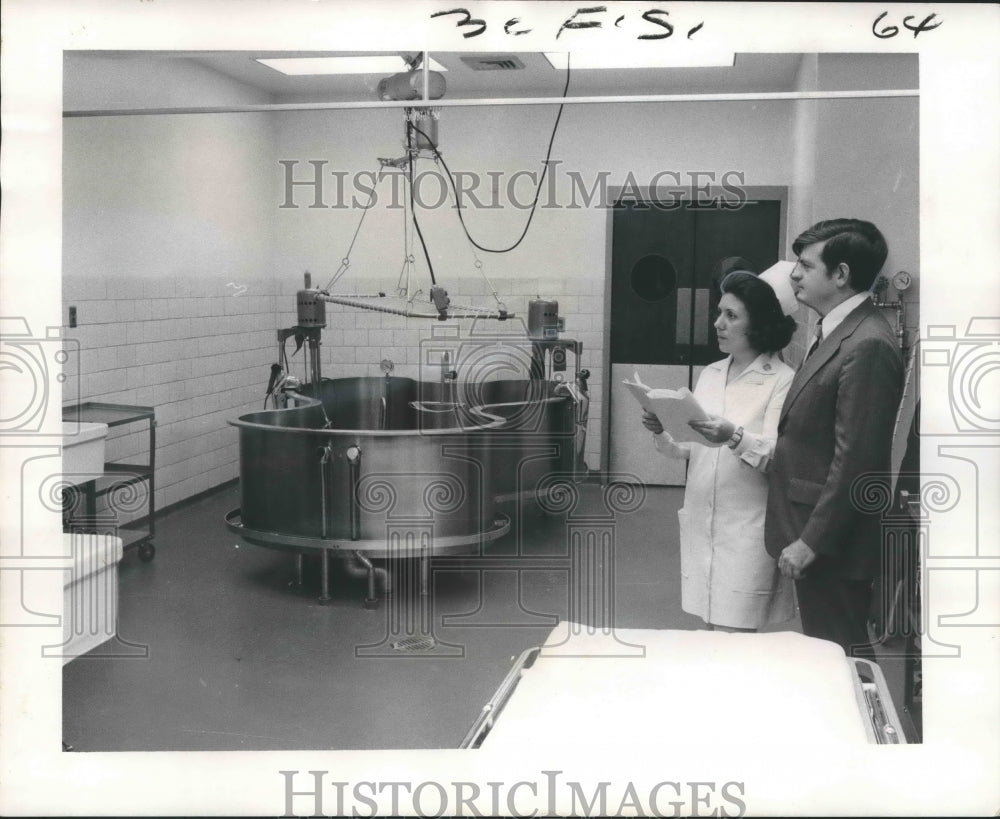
pixel 716 430
pixel 652 423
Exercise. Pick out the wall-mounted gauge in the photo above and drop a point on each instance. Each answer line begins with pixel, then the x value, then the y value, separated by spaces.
pixel 902 280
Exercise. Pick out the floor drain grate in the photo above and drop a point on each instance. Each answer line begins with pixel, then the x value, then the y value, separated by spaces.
pixel 414 644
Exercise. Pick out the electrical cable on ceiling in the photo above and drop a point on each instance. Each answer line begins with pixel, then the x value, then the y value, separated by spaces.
pixel 538 190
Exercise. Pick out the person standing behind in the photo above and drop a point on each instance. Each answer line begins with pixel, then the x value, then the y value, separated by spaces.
pixel 835 429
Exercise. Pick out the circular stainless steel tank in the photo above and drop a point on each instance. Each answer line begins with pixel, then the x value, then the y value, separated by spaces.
pixel 363 457
pixel 536 442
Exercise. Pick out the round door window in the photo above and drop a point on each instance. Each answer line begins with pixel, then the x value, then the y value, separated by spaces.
pixel 654 278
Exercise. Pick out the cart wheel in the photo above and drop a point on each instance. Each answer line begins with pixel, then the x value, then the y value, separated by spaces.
pixel 147 552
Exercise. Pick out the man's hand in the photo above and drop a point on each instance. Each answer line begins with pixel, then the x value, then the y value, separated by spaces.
pixel 794 559
pixel 716 430
pixel 652 423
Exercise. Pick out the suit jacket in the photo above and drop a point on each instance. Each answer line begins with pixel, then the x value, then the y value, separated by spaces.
pixel 834 436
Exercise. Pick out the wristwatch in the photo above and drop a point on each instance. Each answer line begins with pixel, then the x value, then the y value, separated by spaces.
pixel 735 438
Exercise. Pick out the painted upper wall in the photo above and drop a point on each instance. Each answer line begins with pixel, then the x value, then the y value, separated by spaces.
pixel 154 196
pixel 867 152
pixel 494 150
pixel 862 72
pixel 838 157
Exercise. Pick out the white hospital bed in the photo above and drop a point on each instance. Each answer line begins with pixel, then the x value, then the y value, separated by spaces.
pixel 583 687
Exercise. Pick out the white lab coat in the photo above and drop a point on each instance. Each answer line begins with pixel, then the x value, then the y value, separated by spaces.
pixel 727 577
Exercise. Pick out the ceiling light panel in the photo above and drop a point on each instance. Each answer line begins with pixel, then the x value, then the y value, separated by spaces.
pixel 365 64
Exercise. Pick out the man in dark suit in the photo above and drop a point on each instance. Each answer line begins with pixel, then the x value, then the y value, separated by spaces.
pixel 834 433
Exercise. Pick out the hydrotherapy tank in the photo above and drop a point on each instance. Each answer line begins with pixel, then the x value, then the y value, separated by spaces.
pixel 390 467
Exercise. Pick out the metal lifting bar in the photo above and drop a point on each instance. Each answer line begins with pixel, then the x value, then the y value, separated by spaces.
pixel 460 313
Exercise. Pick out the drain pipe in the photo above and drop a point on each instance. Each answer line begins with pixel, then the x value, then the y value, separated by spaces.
pixel 579 395
pixel 369 570
pixel 353 455
pixel 324 589
pixel 366 568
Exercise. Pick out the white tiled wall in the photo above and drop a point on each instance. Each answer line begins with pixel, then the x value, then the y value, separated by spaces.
pixel 195 350
pixel 200 351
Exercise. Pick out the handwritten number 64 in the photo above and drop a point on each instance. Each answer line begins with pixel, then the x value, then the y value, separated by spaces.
pixel 892 31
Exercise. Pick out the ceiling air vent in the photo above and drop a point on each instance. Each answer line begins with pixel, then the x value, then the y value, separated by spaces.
pixel 492 62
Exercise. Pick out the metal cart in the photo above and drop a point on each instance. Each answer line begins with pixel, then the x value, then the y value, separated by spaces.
pixel 117 476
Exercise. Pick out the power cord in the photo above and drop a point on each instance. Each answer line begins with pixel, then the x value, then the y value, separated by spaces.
pixel 451 179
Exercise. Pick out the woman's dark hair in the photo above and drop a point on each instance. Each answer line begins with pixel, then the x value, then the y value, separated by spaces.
pixel 723 268
pixel 770 329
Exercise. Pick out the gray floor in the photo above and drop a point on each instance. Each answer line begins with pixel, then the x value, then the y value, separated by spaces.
pixel 239 657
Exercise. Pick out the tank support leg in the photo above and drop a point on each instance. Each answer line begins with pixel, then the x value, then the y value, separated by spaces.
pixel 425 570
pixel 324 578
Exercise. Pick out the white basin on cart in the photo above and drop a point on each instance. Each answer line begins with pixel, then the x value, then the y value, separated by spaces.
pixel 83 450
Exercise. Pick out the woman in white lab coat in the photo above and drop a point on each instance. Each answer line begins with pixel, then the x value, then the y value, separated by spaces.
pixel 727 577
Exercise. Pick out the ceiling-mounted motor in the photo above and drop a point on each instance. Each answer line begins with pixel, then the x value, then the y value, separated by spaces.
pixel 409 85
pixel 420 135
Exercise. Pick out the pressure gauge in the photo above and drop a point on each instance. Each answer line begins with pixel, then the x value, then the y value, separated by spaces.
pixel 387 366
pixel 902 280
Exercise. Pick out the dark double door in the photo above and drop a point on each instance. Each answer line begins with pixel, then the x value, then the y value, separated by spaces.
pixel 664 258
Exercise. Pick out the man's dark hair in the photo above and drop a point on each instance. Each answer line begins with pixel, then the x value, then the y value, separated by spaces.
pixel 858 244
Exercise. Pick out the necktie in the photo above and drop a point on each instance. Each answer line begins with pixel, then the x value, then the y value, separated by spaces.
pixel 816 340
